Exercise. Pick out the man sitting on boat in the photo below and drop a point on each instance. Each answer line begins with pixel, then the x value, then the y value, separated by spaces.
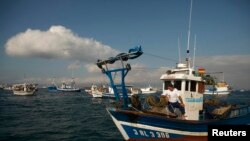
pixel 174 99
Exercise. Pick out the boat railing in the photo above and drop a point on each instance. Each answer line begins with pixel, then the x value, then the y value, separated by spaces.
pixel 239 111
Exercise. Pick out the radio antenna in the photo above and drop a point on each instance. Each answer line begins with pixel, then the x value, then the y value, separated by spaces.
pixel 189 27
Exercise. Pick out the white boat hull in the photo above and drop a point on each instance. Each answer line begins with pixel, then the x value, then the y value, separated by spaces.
pixel 149 92
pixel 68 90
pixel 24 92
pixel 217 92
pixel 95 95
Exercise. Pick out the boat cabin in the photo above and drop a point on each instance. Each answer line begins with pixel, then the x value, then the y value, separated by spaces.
pixel 191 87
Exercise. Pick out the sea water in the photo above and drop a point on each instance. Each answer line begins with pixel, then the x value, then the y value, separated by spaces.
pixel 66 116
pixel 53 116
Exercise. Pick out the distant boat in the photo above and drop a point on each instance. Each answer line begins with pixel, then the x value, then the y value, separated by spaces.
pixel 96 92
pixel 103 91
pixel 7 87
pixel 24 89
pixel 221 88
pixel 69 87
pixel 52 87
pixel 216 87
pixel 242 90
pixel 148 90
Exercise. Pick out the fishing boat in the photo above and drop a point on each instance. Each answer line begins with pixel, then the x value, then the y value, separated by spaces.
pixel 148 90
pixel 214 87
pixel 69 87
pixel 96 91
pixel 24 89
pixel 7 87
pixel 52 87
pixel 135 121
pixel 108 92
pixel 221 88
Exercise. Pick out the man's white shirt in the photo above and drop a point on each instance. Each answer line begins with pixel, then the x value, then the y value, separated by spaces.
pixel 173 96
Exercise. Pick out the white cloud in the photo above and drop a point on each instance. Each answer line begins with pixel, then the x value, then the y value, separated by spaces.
pixel 57 42
pixel 92 68
pixel 74 66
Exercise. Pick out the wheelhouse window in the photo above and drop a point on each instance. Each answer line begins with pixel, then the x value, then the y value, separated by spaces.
pixel 166 84
pixel 193 86
pixel 186 86
pixel 177 84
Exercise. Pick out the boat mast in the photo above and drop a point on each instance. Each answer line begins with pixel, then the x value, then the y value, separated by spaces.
pixel 223 77
pixel 194 49
pixel 179 50
pixel 189 27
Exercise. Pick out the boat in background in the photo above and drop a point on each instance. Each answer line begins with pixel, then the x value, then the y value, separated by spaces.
pixel 108 92
pixel 149 90
pixel 69 87
pixel 214 87
pixel 24 89
pixel 221 88
pixel 242 90
pixel 7 87
pixel 97 92
pixel 53 86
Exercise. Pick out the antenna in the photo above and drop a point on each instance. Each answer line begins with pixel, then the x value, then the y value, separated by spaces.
pixel 223 77
pixel 189 27
pixel 179 50
pixel 194 49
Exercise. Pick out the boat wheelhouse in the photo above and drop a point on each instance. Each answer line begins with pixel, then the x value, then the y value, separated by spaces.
pixel 190 85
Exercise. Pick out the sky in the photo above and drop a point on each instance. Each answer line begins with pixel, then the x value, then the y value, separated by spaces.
pixel 42 40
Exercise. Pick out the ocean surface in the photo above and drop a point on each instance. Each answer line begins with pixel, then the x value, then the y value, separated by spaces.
pixel 54 116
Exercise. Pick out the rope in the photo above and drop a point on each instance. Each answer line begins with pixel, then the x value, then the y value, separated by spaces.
pixel 164 58
pixel 152 102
